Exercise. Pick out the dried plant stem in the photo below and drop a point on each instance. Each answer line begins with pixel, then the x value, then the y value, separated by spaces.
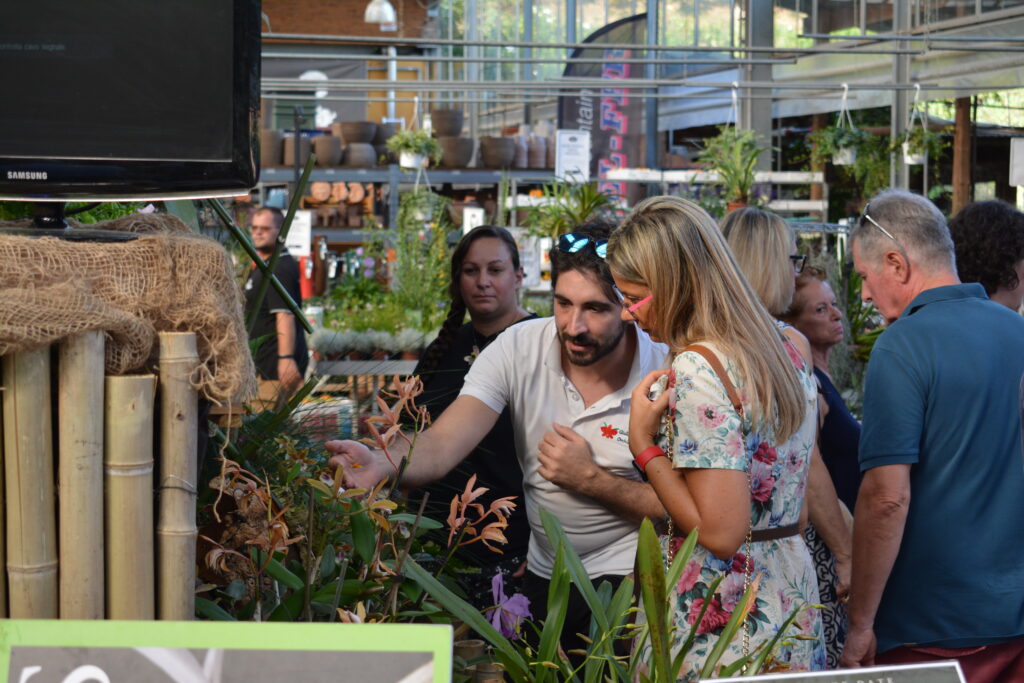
pixel 28 465
pixel 80 475
pixel 400 559
pixel 128 463
pixel 176 529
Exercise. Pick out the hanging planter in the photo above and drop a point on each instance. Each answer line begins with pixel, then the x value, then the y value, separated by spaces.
pixel 839 143
pixel 733 155
pixel 412 160
pixel 415 148
pixel 910 157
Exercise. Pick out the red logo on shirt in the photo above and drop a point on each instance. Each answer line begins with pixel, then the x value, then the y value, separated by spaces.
pixel 608 432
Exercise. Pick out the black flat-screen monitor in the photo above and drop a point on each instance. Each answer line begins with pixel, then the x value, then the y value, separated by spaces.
pixel 125 99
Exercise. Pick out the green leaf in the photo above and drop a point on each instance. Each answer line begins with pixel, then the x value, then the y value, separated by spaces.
pixel 364 537
pixel 208 609
pixel 556 536
pixel 235 590
pixel 279 573
pixel 426 524
pixel 650 567
pixel 558 605
pixel 731 628
pixel 327 562
pixel 290 608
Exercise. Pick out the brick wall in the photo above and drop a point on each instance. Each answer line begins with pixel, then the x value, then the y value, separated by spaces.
pixel 340 17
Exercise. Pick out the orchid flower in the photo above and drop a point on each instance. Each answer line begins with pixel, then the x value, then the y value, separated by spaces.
pixel 508 612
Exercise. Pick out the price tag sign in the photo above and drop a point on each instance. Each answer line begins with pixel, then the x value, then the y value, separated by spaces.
pixel 572 155
pixel 300 236
pixel 939 672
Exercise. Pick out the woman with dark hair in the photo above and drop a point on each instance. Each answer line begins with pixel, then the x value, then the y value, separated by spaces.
pixel 485 281
pixel 989 241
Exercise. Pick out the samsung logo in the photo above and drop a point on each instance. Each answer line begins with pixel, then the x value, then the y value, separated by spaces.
pixel 26 175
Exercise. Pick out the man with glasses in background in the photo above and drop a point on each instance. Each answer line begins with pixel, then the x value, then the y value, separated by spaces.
pixel 938 562
pixel 568 381
pixel 282 355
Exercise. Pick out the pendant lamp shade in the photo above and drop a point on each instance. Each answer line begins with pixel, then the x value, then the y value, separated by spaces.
pixel 380 12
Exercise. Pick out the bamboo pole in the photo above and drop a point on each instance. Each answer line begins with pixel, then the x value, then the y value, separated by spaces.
pixel 128 463
pixel 3 535
pixel 80 475
pixel 176 528
pixel 28 465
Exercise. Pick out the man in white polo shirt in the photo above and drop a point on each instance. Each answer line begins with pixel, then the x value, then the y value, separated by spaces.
pixel 567 380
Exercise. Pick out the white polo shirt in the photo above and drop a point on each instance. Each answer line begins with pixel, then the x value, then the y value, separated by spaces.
pixel 522 368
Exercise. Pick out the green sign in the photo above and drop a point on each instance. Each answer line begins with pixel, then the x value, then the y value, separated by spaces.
pixel 41 651
pixel 940 672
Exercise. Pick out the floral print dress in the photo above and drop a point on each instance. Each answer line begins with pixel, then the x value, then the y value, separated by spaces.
pixel 709 433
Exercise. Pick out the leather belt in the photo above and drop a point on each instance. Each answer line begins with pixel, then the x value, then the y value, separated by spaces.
pixel 758 535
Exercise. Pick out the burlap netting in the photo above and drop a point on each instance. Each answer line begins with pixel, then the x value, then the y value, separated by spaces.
pixel 168 280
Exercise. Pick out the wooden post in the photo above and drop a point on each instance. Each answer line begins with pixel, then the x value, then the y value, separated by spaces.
pixel 963 135
pixel 28 466
pixel 80 475
pixel 176 528
pixel 128 462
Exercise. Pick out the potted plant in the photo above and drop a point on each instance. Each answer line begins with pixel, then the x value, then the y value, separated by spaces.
pixel 414 148
pixel 840 143
pixel 918 144
pixel 564 205
pixel 733 155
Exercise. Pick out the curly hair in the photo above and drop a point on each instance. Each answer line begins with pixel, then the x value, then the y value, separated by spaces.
pixel 989 241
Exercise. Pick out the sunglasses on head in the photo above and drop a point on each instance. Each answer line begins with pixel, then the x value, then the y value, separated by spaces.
pixel 573 242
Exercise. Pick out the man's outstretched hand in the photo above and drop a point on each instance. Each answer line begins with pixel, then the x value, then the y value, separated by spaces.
pixel 358 463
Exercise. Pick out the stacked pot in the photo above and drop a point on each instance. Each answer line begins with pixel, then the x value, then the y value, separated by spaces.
pixel 456 151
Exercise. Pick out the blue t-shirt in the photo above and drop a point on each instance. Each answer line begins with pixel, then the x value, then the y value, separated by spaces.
pixel 942 395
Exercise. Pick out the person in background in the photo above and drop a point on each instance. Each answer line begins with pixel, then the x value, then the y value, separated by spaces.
pixel 938 565
pixel 567 382
pixel 815 313
pixel 742 431
pixel 283 355
pixel 765 249
pixel 485 280
pixel 989 242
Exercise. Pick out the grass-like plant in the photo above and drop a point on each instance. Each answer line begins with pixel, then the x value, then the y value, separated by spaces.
pixel 733 155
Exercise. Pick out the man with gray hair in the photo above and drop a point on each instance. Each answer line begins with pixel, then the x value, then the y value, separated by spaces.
pixel 938 550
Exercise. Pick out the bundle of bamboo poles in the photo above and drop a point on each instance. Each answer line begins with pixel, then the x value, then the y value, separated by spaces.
pixel 79 542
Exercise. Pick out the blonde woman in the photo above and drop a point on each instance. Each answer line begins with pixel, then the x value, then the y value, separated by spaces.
pixel 765 250
pixel 734 462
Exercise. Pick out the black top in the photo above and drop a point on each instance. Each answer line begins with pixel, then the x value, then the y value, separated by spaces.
pixel 840 438
pixel 493 461
pixel 287 271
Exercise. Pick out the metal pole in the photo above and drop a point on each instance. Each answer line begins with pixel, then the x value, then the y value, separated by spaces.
pixel 651 105
pixel 899 174
pixel 392 77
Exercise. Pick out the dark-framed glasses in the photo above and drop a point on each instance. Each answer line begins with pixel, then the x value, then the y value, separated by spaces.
pixel 572 242
pixel 799 261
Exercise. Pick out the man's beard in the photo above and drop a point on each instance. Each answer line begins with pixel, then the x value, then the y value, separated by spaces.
pixel 596 348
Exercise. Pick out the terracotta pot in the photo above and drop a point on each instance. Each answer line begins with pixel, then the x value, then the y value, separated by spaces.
pixel 337 132
pixel 305 149
pixel 410 355
pixel 537 150
pixel 522 152
pixel 358 131
pixel 271 147
pixel 328 150
pixel 456 152
pixel 360 155
pixel 446 123
pixel 732 206
pixel 497 152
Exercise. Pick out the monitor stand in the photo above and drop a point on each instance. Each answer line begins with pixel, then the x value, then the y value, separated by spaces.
pixel 49 221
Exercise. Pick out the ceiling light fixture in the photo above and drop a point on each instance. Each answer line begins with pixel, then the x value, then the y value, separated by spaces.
pixel 380 12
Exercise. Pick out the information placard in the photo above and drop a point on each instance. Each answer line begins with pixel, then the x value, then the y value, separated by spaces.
pixel 939 672
pixel 572 155
pixel 51 651
pixel 299 241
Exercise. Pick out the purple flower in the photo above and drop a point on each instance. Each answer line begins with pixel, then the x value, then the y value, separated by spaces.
pixel 368 272
pixel 359 251
pixel 508 613
pixel 369 262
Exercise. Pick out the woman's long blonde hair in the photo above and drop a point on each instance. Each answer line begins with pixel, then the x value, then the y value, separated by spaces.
pixel 762 243
pixel 674 248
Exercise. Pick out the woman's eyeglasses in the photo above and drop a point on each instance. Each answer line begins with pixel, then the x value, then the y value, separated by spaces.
pixel 572 242
pixel 799 261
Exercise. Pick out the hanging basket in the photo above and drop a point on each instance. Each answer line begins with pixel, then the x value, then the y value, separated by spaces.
pixel 412 160
pixel 846 156
pixel 911 158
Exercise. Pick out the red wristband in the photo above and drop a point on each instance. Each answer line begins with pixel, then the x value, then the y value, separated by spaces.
pixel 646 455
